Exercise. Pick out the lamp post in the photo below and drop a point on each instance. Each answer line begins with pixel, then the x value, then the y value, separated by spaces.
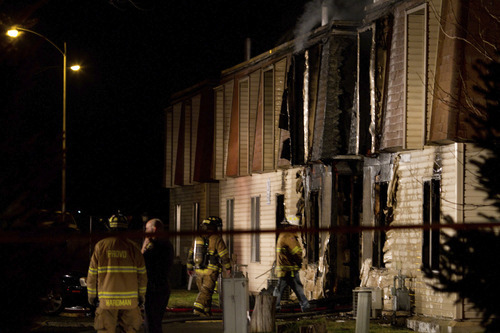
pixel 14 32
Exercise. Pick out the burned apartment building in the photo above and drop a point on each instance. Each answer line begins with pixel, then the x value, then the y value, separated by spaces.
pixel 356 123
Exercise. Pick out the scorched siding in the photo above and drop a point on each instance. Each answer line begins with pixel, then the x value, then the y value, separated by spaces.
pixel 405 246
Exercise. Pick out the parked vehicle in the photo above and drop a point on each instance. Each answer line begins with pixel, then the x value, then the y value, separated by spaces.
pixel 69 292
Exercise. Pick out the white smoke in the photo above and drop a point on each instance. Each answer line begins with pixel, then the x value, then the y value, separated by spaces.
pixel 337 10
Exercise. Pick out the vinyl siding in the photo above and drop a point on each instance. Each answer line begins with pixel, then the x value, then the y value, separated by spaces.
pixel 206 195
pixel 405 246
pixel 244 128
pixel 242 189
pixel 253 104
pixel 219 133
pixel 228 103
pixel 188 136
pixel 195 103
pixel 168 171
pixel 415 79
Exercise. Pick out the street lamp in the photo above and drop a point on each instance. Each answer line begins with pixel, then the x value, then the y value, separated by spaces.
pixel 14 32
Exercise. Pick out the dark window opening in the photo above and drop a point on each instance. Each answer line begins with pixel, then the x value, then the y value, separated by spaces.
pixel 379 236
pixel 313 237
pixel 431 211
pixel 280 209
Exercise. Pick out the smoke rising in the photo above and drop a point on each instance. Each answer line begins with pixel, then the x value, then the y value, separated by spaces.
pixel 347 10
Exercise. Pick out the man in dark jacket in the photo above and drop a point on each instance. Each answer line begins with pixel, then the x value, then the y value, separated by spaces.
pixel 159 255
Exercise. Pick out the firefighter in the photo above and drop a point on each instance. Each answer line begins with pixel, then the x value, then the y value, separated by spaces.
pixel 207 256
pixel 289 262
pixel 117 280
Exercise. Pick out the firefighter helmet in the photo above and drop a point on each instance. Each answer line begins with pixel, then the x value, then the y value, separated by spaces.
pixel 212 222
pixel 118 221
pixel 292 220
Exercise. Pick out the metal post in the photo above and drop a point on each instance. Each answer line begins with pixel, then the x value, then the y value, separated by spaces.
pixel 63 174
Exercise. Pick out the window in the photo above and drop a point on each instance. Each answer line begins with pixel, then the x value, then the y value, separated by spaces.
pixel 178 229
pixel 431 212
pixel 280 209
pixel 380 221
pixel 255 220
pixel 230 225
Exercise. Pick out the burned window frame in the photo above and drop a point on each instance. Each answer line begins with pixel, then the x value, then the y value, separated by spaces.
pixel 313 238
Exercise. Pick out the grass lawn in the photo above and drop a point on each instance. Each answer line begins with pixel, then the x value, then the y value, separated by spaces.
pixel 337 325
pixel 182 298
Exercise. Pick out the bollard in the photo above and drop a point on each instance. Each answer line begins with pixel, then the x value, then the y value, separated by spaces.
pixel 263 316
pixel 363 311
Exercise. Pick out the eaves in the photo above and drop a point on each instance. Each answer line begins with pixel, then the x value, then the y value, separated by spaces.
pixel 317 36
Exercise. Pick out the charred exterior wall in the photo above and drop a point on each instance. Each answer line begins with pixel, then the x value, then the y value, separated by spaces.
pixel 335 98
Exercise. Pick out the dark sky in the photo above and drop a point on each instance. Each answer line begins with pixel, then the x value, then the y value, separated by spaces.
pixel 134 55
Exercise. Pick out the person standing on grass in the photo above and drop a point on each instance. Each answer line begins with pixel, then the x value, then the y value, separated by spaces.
pixel 159 256
pixel 207 256
pixel 289 262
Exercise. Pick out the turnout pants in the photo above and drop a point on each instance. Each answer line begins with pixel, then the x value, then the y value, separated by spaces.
pixel 206 286
pixel 128 320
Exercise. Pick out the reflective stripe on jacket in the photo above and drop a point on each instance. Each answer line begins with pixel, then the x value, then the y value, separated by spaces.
pixel 289 254
pixel 117 273
pixel 218 256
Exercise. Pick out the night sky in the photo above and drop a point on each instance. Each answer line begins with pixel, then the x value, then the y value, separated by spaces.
pixel 134 55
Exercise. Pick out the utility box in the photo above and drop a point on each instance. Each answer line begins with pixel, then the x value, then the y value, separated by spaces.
pixel 400 294
pixel 235 304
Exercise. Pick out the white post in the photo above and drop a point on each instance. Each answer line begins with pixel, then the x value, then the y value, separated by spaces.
pixel 363 311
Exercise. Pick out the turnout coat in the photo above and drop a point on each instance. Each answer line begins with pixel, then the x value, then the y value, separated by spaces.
pixel 117 273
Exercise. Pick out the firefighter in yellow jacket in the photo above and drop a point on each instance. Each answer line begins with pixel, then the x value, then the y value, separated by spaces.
pixel 207 256
pixel 289 262
pixel 117 281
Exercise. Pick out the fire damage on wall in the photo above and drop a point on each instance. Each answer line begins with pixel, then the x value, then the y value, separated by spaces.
pixel 317 118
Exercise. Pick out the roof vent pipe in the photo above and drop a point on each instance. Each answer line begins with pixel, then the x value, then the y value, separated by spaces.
pixel 248 48
pixel 324 13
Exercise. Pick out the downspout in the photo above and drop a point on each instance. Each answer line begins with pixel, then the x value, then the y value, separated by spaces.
pixel 460 218
pixel 305 91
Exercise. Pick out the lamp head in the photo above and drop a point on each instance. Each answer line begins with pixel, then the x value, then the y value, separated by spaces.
pixel 13 33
